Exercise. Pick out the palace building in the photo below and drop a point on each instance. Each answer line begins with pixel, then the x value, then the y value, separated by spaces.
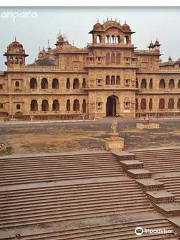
pixel 109 77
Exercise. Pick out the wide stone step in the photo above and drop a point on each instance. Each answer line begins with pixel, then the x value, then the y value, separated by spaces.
pixel 150 184
pixel 132 164
pixel 175 221
pixel 161 196
pixel 169 209
pixel 139 173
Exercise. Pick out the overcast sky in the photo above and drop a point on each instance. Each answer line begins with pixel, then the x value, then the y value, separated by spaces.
pixel 42 24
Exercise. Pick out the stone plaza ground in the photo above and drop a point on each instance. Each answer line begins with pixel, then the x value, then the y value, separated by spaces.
pixel 87 135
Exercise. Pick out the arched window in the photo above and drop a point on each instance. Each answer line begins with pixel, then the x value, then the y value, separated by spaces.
pixel 76 105
pixel 118 39
pixel 84 83
pixel 162 84
pixel 107 39
pixel 151 84
pixel 143 83
pixel 143 104
pixel 126 40
pixel 117 58
pixel 179 84
pixel 16 83
pixel 108 80
pixel 136 83
pixel 171 83
pixel 112 80
pixel 178 104
pixel 33 83
pixel 84 106
pixel 34 105
pixel 16 60
pixel 136 104
pixel 113 39
pixel 171 103
pixel 55 105
pixel 68 105
pixel 150 104
pixel 118 80
pixel 113 58
pixel 18 106
pixel 98 39
pixel 107 58
pixel 55 83
pixel 44 83
pixel 76 83
pixel 1 86
pixel 45 105
pixel 161 103
pixel 68 83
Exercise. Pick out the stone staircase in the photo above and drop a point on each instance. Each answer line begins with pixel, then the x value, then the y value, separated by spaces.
pixel 36 169
pixel 82 196
pixel 114 231
pixel 164 198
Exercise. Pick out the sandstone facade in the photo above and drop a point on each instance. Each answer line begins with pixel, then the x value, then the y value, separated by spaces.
pixel 109 77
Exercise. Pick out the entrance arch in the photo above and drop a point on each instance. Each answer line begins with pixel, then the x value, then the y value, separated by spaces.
pixel 111 106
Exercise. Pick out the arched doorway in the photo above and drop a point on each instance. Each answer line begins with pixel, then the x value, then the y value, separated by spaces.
pixel 111 106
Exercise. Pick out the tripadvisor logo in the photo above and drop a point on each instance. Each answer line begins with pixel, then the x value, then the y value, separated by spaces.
pixel 139 231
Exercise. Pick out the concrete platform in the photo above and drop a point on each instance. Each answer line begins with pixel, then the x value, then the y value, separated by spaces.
pixel 161 196
pixel 150 184
pixel 139 173
pixel 169 209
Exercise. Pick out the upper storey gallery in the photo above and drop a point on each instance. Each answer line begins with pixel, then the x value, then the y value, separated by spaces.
pixel 111 46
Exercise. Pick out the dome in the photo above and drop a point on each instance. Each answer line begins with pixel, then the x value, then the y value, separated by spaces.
pixel 151 45
pixel 60 38
pixel 97 26
pixel 15 47
pixel 15 44
pixel 126 28
pixel 157 43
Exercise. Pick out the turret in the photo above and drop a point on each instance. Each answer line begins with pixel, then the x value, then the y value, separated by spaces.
pixel 15 55
pixel 151 46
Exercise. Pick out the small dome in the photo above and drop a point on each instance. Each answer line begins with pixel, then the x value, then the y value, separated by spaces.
pixel 97 26
pixel 126 28
pixel 157 44
pixel 169 59
pixel 60 38
pixel 15 47
pixel 151 45
pixel 15 44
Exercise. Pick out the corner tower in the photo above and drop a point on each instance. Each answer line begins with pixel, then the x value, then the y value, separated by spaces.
pixel 15 55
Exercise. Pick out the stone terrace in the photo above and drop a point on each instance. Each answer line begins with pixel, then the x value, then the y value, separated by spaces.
pixel 83 196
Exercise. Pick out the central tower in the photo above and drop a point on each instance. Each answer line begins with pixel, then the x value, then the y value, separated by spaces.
pixel 112 70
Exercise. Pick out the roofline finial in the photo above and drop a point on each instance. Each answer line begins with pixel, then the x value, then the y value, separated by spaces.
pixel 15 38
